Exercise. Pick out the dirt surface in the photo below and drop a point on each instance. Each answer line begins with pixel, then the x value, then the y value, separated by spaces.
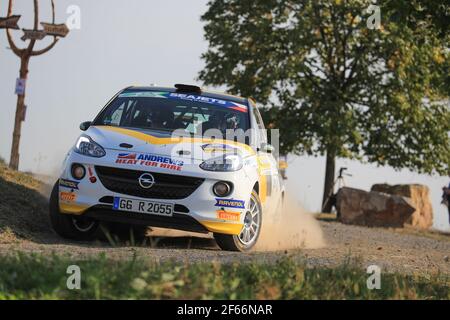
pixel 389 249
pixel 392 250
pixel 24 226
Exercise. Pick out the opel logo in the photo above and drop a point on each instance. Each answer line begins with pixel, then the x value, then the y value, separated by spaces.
pixel 146 180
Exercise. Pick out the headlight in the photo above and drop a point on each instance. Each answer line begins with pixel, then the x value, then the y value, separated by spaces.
pixel 86 146
pixel 228 162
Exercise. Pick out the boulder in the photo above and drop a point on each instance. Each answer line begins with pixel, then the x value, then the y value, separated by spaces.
pixel 422 218
pixel 373 209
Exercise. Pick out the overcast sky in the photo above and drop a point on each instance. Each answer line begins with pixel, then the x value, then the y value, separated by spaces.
pixel 123 43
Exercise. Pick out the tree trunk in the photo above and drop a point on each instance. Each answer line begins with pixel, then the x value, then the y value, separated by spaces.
pixel 14 159
pixel 328 191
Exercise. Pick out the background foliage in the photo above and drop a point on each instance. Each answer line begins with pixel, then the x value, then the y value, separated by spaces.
pixel 333 85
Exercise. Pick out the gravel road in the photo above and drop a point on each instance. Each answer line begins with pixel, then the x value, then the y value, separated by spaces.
pixel 392 250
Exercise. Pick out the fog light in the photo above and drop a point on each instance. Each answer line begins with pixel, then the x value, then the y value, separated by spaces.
pixel 222 189
pixel 78 171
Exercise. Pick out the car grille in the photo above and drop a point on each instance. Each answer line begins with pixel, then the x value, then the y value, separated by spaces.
pixel 167 186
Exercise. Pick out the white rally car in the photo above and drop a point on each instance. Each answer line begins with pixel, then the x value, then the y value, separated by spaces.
pixel 162 157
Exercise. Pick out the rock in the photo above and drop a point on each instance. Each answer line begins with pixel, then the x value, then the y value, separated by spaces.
pixel 373 209
pixel 419 194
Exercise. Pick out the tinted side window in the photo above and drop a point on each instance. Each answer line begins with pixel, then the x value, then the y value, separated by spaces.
pixel 261 135
pixel 258 118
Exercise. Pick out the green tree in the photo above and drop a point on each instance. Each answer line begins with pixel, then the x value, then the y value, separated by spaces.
pixel 333 85
pixel 414 12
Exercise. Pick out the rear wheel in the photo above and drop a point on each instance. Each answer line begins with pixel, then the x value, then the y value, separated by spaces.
pixel 70 226
pixel 248 237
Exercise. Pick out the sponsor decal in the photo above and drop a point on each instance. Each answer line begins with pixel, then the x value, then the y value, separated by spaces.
pixel 184 96
pixel 128 156
pixel 144 94
pixel 67 196
pixel 92 178
pixel 230 203
pixel 149 160
pixel 218 102
pixel 193 97
pixel 228 215
pixel 68 184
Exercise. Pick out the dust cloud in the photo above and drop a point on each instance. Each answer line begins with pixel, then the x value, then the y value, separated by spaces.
pixel 294 229
pixel 47 181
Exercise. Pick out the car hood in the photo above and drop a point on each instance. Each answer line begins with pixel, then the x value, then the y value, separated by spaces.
pixel 162 143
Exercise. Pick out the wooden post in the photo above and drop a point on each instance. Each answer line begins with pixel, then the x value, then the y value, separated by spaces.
pixel 25 55
pixel 14 160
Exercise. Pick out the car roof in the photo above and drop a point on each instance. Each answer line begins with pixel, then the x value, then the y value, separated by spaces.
pixel 206 93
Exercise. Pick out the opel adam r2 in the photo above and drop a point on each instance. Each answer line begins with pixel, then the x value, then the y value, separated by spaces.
pixel 153 157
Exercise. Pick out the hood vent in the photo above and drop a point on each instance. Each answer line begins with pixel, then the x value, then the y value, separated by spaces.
pixel 126 145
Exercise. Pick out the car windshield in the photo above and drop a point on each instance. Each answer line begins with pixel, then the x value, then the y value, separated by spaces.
pixel 169 111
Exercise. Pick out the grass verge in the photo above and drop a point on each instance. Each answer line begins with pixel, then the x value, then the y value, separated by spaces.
pixel 25 276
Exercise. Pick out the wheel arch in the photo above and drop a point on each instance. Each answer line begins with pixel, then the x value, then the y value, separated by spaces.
pixel 256 187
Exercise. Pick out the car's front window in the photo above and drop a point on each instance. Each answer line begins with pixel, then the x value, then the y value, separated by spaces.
pixel 168 111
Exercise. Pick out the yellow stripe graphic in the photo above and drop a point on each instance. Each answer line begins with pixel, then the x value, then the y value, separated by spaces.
pixel 172 140
pixel 223 227
pixel 72 208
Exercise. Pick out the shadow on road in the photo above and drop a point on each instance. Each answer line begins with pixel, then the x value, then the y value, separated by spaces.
pixel 23 210
pixel 24 217
pixel 180 242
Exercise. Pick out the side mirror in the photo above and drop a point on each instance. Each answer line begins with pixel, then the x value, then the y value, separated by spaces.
pixel 265 147
pixel 85 125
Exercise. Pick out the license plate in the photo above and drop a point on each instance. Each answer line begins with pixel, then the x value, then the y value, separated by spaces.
pixel 142 206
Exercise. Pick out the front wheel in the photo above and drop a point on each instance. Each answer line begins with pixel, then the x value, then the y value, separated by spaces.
pixel 248 237
pixel 70 226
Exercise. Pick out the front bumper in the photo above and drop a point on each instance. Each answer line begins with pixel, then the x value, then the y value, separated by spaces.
pixel 178 221
pixel 198 212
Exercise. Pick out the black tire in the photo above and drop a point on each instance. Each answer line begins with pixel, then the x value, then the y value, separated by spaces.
pixel 233 242
pixel 69 226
